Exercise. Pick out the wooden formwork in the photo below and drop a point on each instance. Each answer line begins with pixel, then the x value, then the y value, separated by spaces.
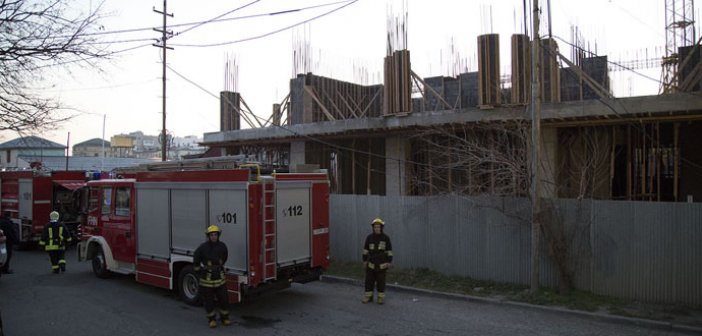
pixel 521 69
pixel 398 83
pixel 489 70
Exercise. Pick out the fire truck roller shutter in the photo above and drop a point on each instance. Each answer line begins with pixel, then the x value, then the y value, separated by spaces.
pixel 188 218
pixel 25 198
pixel 25 207
pixel 152 225
pixel 228 210
pixel 293 222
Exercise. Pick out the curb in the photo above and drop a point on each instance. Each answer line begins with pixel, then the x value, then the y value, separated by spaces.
pixel 652 324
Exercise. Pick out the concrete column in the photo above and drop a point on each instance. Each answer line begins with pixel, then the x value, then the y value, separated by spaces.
pixel 549 162
pixel 297 153
pixel 396 149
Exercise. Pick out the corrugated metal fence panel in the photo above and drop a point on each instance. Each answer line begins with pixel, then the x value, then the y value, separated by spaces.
pixel 688 253
pixel 639 250
pixel 648 251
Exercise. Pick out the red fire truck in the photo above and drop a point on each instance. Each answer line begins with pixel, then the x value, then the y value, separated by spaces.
pixel 30 195
pixel 276 227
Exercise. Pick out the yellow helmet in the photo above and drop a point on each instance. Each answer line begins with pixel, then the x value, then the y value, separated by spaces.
pixel 378 221
pixel 54 216
pixel 213 228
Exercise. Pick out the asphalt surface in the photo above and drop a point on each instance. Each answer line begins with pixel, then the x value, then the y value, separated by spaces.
pixel 35 302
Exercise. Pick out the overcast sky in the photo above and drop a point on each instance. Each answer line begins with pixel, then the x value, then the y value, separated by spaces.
pixel 344 43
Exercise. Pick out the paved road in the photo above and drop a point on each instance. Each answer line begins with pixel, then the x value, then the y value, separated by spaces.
pixel 35 302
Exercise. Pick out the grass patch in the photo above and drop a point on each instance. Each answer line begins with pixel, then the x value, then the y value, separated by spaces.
pixel 428 279
pixel 576 300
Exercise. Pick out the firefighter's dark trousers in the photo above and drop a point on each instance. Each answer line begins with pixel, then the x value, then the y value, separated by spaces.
pixel 58 261
pixel 215 297
pixel 375 279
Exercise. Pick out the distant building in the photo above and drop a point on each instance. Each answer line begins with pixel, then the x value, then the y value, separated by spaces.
pixel 145 143
pixel 92 147
pixel 189 141
pixel 122 146
pixel 12 151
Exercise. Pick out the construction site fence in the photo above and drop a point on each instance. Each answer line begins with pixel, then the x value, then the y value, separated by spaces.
pixel 647 251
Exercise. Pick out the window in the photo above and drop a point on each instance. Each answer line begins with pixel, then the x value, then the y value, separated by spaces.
pixel 122 201
pixel 94 200
pixel 9 156
pixel 106 200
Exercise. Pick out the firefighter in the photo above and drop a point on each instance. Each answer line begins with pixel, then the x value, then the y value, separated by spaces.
pixel 377 258
pixel 208 261
pixel 54 239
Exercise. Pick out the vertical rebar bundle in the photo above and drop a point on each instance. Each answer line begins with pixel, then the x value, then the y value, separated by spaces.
pixel 231 73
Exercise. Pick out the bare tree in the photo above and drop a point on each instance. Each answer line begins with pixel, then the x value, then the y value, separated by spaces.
pixel 493 159
pixel 36 35
pixel 486 159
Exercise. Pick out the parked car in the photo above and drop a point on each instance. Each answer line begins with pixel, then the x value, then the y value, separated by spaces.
pixel 3 249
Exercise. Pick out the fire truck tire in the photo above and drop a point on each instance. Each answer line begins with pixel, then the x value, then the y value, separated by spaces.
pixel 188 286
pixel 100 265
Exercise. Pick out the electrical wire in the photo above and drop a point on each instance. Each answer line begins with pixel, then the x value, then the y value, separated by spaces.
pixel 112 53
pixel 266 34
pixel 217 17
pixel 610 62
pixel 199 23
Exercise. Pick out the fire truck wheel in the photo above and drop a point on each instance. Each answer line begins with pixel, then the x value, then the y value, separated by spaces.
pixel 187 286
pixel 99 264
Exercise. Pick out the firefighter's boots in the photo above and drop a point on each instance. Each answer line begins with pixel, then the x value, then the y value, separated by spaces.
pixel 367 297
pixel 381 298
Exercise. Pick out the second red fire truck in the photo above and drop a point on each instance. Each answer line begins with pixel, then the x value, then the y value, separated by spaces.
pixel 30 195
pixel 276 227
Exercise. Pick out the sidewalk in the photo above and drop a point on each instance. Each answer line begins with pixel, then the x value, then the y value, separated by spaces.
pixel 660 325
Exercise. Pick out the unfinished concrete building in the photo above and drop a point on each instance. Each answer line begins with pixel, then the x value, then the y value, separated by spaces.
pixel 469 134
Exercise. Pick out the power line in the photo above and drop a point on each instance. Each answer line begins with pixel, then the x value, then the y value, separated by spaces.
pixel 91 57
pixel 611 62
pixel 217 17
pixel 198 23
pixel 269 33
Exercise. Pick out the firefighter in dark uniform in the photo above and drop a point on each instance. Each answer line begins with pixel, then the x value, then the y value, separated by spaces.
pixel 377 258
pixel 208 262
pixel 54 239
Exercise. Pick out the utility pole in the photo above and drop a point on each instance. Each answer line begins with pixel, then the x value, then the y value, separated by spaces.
pixel 535 151
pixel 68 147
pixel 164 37
pixel 102 162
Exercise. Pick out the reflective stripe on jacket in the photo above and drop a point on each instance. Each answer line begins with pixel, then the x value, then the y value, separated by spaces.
pixel 377 251
pixel 208 262
pixel 55 237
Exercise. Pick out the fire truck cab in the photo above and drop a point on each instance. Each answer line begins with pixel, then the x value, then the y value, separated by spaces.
pixel 276 227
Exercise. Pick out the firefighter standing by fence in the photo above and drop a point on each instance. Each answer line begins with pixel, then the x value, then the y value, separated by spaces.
pixel 208 262
pixel 377 258
pixel 54 239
